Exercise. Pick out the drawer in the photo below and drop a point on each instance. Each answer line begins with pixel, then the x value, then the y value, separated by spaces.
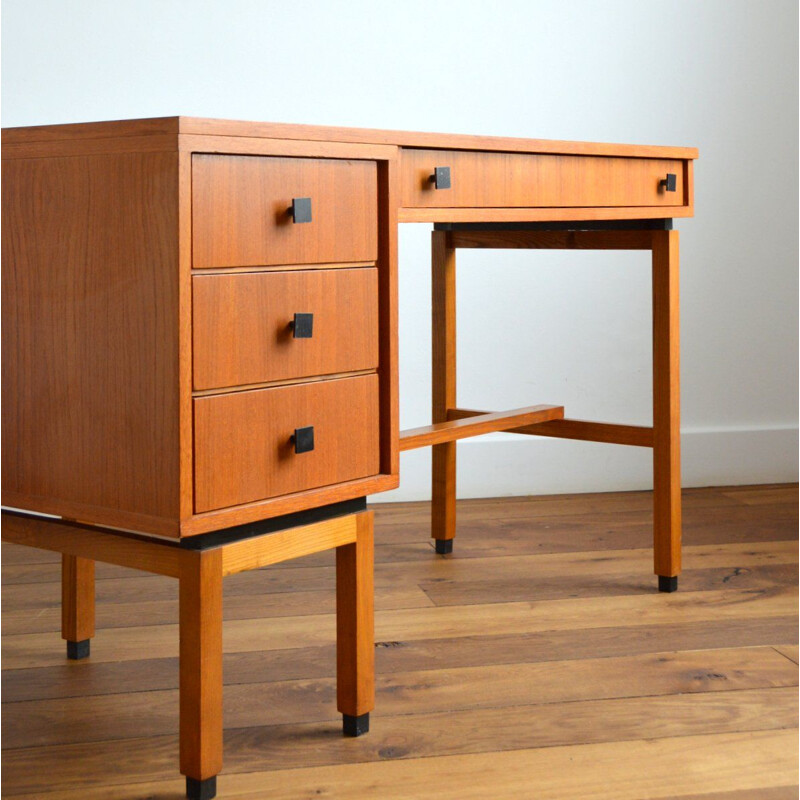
pixel 241 213
pixel 509 180
pixel 243 448
pixel 243 325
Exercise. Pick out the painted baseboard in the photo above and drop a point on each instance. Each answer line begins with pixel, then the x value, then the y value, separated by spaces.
pixel 506 465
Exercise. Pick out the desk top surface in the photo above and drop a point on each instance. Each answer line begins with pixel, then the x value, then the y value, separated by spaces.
pixel 273 130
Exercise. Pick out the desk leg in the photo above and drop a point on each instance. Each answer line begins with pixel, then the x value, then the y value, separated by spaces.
pixel 443 350
pixel 201 673
pixel 355 633
pixel 666 411
pixel 77 604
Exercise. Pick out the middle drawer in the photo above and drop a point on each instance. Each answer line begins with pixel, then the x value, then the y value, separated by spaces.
pixel 244 332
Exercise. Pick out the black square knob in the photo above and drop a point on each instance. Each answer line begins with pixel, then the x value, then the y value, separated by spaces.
pixel 303 326
pixel 670 183
pixel 304 439
pixel 301 209
pixel 441 177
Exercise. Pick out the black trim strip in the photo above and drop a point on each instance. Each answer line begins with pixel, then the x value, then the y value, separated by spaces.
pixel 204 541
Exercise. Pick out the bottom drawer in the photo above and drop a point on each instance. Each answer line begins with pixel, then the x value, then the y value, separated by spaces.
pixel 244 447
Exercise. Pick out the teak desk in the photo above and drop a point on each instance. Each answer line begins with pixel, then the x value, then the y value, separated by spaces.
pixel 200 351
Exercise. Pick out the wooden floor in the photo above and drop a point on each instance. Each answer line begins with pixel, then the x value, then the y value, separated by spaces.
pixel 535 662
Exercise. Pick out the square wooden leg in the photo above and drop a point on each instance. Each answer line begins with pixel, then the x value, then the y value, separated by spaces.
pixel 443 350
pixel 77 604
pixel 201 672
pixel 355 635
pixel 666 411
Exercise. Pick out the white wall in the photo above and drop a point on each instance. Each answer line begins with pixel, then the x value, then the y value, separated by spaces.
pixel 569 328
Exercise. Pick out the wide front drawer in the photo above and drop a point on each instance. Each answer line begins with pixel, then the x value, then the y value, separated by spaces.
pixel 242 211
pixel 518 180
pixel 244 446
pixel 244 325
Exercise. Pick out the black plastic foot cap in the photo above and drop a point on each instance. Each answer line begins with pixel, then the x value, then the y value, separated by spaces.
pixel 444 546
pixel 667 584
pixel 201 790
pixel 78 650
pixel 355 726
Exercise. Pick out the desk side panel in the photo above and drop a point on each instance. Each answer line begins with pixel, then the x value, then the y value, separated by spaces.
pixel 90 338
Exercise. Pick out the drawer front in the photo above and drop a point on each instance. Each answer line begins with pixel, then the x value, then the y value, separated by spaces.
pixel 243 328
pixel 243 447
pixel 241 211
pixel 516 180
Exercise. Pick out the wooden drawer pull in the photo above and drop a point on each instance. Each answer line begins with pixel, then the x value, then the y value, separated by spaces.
pixel 302 326
pixel 670 183
pixel 301 209
pixel 441 177
pixel 303 439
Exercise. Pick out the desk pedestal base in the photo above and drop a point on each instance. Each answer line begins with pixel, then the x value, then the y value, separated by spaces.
pixel 200 564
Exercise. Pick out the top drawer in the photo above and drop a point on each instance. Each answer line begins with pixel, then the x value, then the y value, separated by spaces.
pixel 518 180
pixel 241 211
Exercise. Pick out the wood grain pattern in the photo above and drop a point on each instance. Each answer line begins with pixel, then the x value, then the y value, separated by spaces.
pixel 666 405
pixel 90 336
pixel 185 410
pixel 242 325
pixel 762 762
pixel 201 665
pixel 443 382
pixel 90 146
pixel 636 435
pixel 476 425
pixel 508 180
pixel 445 733
pixel 77 598
pixel 287 504
pixel 355 629
pixel 554 240
pixel 273 548
pixel 273 130
pixel 243 441
pixel 240 207
pixel 293 148
pixel 388 369
pixel 285 702
pixel 478 214
pixel 74 539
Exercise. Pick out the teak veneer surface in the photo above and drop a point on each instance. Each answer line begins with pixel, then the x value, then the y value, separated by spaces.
pixel 273 130
pixel 241 211
pixel 90 337
pixel 244 449
pixel 541 662
pixel 242 330
pixel 506 180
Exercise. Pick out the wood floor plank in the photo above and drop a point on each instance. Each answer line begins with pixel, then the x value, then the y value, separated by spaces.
pixel 416 735
pixel 389 576
pixel 36 649
pixel 251 606
pixel 27 724
pixel 792 652
pixel 488 580
pixel 534 587
pixel 771 793
pixel 629 770
pixel 763 495
pixel 89 678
